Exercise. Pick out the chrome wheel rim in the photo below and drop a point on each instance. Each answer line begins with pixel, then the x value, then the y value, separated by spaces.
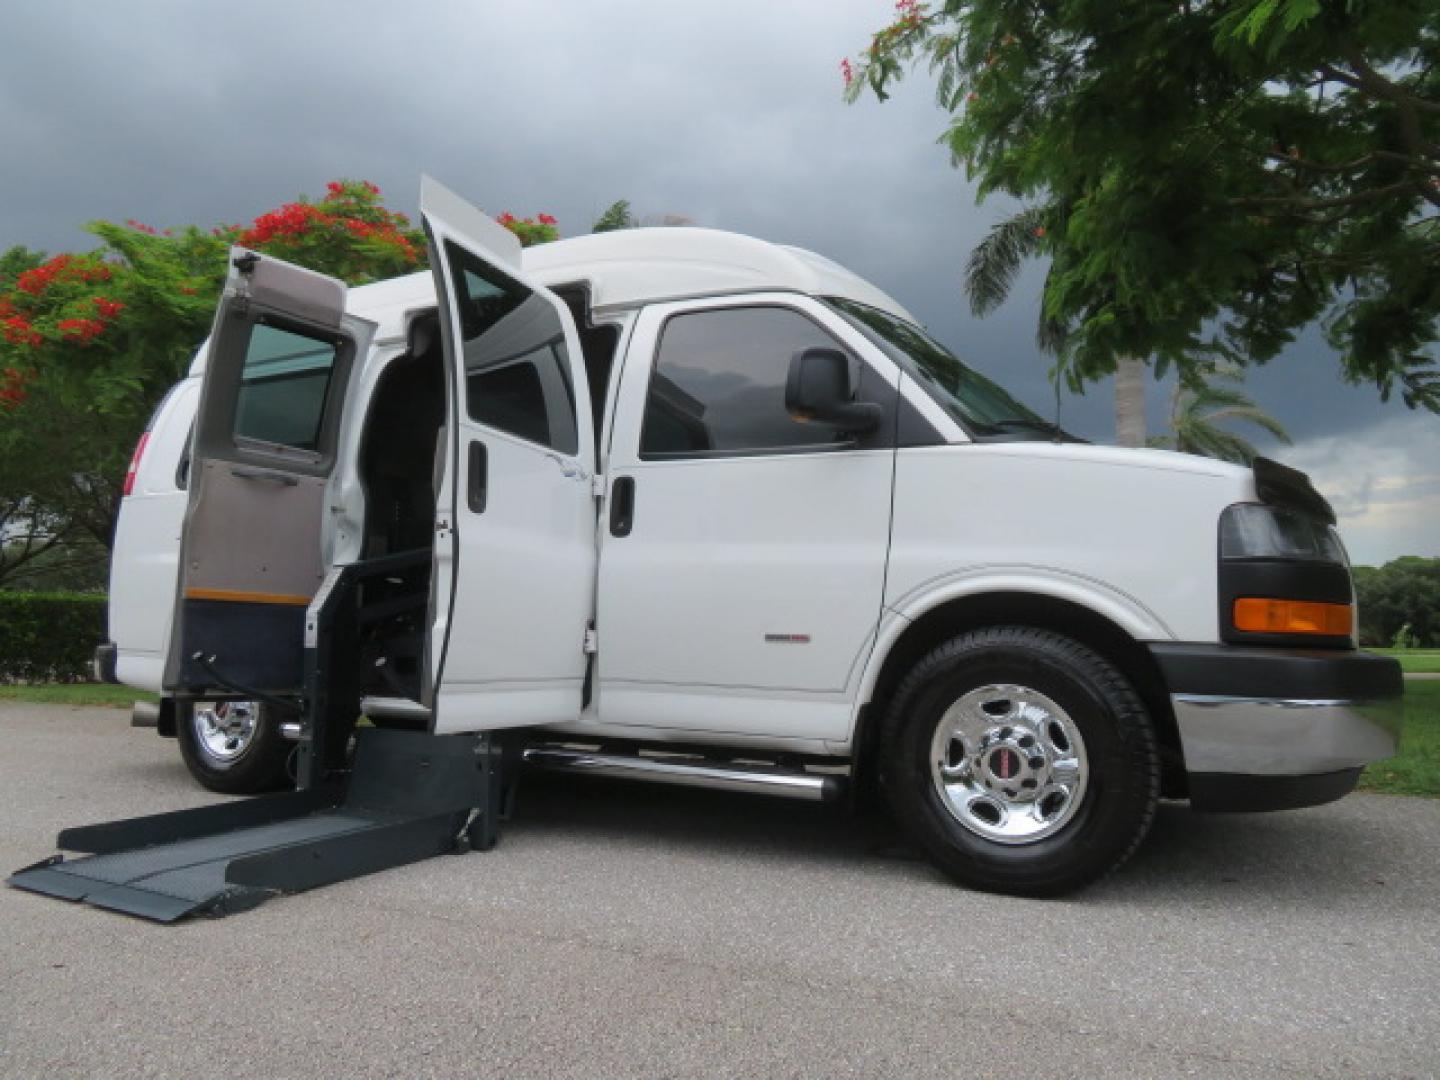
pixel 1009 764
pixel 224 730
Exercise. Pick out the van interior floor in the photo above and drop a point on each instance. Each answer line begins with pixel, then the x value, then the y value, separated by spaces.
pixel 409 796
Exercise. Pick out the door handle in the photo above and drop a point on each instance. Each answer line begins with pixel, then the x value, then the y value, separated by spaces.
pixel 478 488
pixel 622 506
pixel 265 477
pixel 567 469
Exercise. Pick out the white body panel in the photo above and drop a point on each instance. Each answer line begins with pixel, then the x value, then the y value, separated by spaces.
pixel 145 559
pixel 1129 534
pixel 745 598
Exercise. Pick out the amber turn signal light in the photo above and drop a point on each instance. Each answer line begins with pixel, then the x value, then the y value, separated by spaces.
pixel 1261 616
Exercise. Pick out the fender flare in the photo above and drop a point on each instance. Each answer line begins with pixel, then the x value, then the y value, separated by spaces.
pixel 1124 611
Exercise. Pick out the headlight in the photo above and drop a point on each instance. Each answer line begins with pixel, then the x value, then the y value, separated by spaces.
pixel 1254 531
pixel 1284 579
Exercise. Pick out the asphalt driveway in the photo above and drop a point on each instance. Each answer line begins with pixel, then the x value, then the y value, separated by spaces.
pixel 627 930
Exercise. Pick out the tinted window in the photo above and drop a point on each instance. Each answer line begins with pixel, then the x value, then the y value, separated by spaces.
pixel 719 384
pixel 283 387
pixel 517 372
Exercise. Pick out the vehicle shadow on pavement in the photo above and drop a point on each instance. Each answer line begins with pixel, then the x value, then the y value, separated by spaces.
pixel 1316 858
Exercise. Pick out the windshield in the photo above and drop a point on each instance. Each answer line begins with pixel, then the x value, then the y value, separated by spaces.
pixel 982 407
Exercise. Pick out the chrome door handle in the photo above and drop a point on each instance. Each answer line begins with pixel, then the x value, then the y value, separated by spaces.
pixel 263 476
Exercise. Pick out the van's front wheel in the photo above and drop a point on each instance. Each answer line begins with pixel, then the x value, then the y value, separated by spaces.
pixel 233 747
pixel 1022 761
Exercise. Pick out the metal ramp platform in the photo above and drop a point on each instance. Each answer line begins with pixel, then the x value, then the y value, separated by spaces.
pixel 409 796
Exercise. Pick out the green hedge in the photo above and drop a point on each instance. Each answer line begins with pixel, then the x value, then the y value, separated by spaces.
pixel 49 637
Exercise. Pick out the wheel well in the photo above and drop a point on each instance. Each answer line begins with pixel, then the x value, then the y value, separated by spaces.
pixel 1046 613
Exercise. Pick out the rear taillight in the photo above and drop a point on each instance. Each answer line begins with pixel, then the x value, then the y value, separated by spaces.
pixel 135 464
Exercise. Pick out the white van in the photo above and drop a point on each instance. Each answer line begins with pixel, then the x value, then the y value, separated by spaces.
pixel 682 504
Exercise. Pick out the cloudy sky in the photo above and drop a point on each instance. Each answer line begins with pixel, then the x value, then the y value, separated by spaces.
pixel 175 112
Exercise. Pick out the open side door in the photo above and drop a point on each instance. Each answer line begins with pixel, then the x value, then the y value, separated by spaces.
pixel 515 552
pixel 280 359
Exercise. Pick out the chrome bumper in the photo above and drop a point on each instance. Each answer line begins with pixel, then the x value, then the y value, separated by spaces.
pixel 1264 736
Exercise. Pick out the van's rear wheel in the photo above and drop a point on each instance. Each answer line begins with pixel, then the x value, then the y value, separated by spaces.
pixel 1021 761
pixel 233 747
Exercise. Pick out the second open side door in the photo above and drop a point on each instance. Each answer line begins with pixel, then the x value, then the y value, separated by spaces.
pixel 515 556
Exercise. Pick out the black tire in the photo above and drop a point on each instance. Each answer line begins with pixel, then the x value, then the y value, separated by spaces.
pixel 1110 816
pixel 258 766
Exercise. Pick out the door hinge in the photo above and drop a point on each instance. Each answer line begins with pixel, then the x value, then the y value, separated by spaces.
pixel 592 641
pixel 597 486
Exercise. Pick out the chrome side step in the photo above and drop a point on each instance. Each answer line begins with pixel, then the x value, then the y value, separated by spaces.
pixel 395 708
pixel 691 772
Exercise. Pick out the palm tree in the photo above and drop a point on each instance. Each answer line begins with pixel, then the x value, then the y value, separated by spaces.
pixel 990 273
pixel 1196 411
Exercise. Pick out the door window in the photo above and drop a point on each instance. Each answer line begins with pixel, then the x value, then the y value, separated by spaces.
pixel 517 370
pixel 718 387
pixel 283 387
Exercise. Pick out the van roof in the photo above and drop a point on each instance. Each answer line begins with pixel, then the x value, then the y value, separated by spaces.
pixel 636 266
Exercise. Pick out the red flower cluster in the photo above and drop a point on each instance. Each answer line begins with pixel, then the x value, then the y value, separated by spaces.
pixel 342 203
pixel 18 331
pixel 292 219
pixel 338 189
pixel 12 388
pixel 108 308
pixel 508 219
pixel 847 71
pixel 80 331
pixel 140 227
pixel 61 268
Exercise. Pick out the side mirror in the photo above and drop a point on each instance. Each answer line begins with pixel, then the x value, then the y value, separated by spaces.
pixel 818 390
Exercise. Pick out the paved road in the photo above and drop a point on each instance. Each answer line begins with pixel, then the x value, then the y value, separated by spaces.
pixel 647 931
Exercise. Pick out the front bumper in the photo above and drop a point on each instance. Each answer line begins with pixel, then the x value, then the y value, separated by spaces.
pixel 1266 728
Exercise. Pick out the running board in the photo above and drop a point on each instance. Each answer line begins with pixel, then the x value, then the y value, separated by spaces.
pixel 410 796
pixel 722 776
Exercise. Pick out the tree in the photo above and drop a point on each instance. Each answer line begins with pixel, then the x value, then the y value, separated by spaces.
pixel 616 216
pixel 1205 179
pixel 1404 592
pixel 90 343
pixel 1198 409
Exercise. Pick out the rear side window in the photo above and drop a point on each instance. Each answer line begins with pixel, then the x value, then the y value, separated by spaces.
pixel 718 387
pixel 283 387
pixel 517 369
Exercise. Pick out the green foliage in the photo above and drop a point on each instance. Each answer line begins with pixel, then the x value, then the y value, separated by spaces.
pixel 90 343
pixel 1209 178
pixel 540 229
pixel 1415 770
pixel 1401 596
pixel 49 637
pixel 616 216
pixel 1199 408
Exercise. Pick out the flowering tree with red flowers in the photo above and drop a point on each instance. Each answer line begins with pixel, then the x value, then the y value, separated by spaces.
pixel 90 343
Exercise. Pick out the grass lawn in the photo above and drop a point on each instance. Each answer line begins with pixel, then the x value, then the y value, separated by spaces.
pixel 1416 769
pixel 117 697
pixel 1414 660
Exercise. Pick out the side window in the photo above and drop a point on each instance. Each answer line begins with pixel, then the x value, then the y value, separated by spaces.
pixel 283 387
pixel 517 370
pixel 719 384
